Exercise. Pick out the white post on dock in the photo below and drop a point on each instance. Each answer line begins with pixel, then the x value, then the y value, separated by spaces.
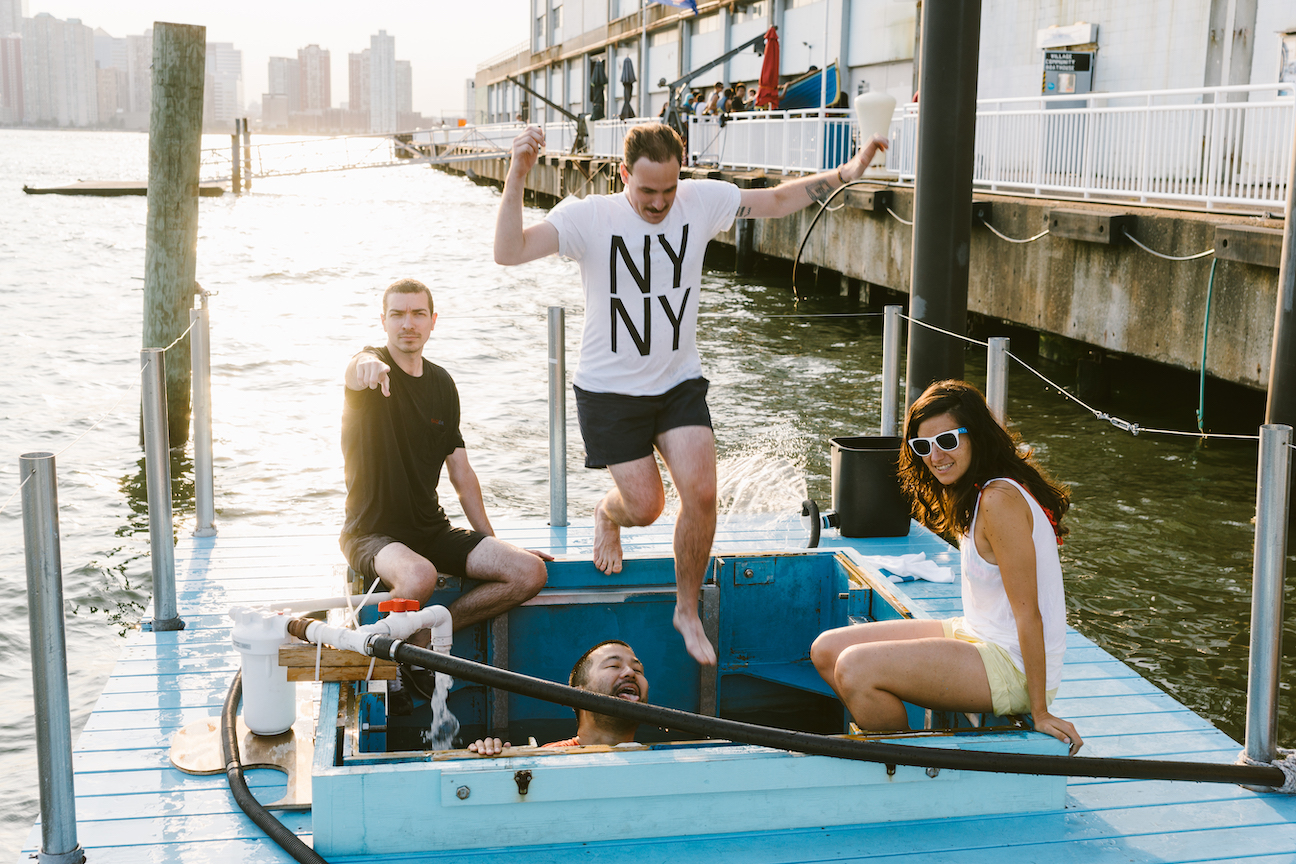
pixel 997 378
pixel 1272 500
pixel 557 417
pixel 204 475
pixel 890 371
pixel 157 472
pixel 49 659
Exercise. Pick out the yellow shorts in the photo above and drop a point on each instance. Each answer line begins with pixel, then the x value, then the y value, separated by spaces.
pixel 1008 693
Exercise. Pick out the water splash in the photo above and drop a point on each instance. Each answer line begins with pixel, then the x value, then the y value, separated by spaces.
pixel 764 475
pixel 445 725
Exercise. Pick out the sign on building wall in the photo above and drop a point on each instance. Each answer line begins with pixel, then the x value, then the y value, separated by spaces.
pixel 1067 72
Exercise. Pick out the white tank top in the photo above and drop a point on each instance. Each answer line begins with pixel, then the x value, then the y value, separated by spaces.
pixel 985 603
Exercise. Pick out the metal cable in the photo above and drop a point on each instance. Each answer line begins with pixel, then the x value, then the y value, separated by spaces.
pixel 181 336
pixel 897 217
pixel 1003 236
pixel 1125 231
pixel 14 494
pixel 946 332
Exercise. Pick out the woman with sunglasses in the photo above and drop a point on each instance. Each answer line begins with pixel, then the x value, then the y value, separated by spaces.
pixel 967 477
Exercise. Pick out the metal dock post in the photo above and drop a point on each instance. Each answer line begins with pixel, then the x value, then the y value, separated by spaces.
pixel 157 470
pixel 997 378
pixel 890 371
pixel 557 417
pixel 49 659
pixel 1272 499
pixel 204 477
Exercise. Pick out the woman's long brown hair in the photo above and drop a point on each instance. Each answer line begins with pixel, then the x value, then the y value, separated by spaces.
pixel 996 452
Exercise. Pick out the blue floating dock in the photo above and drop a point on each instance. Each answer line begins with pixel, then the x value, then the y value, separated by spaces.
pixel 132 805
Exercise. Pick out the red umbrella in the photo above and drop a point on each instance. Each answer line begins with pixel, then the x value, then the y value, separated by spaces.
pixel 768 94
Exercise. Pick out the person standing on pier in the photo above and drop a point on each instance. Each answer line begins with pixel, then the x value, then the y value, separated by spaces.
pixel 400 424
pixel 639 384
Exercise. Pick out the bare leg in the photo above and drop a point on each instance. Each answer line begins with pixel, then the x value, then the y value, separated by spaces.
pixel 689 453
pixel 875 668
pixel 637 499
pixel 512 576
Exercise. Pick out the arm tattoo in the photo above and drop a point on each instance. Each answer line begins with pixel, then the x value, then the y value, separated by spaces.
pixel 743 213
pixel 819 190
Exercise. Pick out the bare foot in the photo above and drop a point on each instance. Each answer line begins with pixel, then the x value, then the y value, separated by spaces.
pixel 695 638
pixel 607 542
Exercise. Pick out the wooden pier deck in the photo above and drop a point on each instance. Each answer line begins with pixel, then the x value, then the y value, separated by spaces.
pixel 132 806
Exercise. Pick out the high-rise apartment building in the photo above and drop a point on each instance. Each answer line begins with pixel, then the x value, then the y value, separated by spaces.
pixel 60 87
pixel 315 70
pixel 404 87
pixel 285 80
pixel 113 80
pixel 358 82
pixel 139 72
pixel 223 96
pixel 11 14
pixel 382 82
pixel 11 80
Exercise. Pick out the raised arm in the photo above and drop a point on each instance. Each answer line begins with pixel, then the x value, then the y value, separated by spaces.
pixel 513 244
pixel 367 371
pixel 787 198
pixel 1005 517
pixel 468 488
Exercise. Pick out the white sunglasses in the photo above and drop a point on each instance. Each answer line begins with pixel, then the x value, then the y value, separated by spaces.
pixel 946 441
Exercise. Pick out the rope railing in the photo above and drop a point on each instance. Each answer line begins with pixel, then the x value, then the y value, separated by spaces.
pixel 1002 236
pixel 1119 422
pixel 1135 241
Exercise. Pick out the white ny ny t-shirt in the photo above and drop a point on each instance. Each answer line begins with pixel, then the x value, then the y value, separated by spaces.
pixel 641 283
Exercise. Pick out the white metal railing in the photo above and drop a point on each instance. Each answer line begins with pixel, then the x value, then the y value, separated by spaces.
pixel 1210 145
pixel 607 137
pixel 773 140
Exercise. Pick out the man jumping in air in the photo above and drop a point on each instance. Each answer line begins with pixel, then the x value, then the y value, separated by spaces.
pixel 639 384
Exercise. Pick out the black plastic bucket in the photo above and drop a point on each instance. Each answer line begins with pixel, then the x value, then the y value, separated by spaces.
pixel 866 489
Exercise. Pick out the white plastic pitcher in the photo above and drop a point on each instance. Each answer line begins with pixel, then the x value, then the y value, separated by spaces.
pixel 874 112
pixel 269 698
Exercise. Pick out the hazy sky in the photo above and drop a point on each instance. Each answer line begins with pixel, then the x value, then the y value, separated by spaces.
pixel 443 39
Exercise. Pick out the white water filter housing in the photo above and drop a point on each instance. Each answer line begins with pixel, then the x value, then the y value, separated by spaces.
pixel 269 698
pixel 873 111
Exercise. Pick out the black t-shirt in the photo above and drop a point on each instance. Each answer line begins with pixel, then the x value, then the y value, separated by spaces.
pixel 394 447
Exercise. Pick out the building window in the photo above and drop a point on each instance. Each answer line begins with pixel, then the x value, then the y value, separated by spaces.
pixel 669 36
pixel 540 32
pixel 555 24
pixel 753 12
pixel 797 4
pixel 1287 59
pixel 707 23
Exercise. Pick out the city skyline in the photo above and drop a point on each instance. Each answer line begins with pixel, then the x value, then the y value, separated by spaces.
pixel 443 46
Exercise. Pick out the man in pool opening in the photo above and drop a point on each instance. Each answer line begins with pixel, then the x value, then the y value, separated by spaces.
pixel 967 476
pixel 610 668
pixel 400 424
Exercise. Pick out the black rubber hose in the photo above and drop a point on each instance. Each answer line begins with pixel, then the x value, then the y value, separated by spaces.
pixel 823 208
pixel 824 745
pixel 274 829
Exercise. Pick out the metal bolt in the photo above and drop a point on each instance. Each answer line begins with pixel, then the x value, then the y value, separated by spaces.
pixel 441 581
pixel 748 573
pixel 463 792
pixel 932 772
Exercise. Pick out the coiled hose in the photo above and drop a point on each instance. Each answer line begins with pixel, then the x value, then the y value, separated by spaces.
pixel 273 828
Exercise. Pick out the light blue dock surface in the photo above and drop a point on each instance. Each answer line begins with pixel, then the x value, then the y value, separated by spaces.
pixel 132 806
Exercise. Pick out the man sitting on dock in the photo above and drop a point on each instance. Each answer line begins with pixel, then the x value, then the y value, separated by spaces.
pixel 639 385
pixel 610 668
pixel 400 424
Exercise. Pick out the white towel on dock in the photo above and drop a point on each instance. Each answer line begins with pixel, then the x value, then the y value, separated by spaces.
pixel 906 568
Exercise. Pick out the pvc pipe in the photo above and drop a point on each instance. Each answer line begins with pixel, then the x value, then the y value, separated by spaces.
pixel 326 603
pixel 890 371
pixel 997 378
pixel 204 477
pixel 557 417
pixel 1272 500
pixel 394 626
pixel 157 470
pixel 49 658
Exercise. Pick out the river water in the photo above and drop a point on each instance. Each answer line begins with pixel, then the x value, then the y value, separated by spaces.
pixel 1158 563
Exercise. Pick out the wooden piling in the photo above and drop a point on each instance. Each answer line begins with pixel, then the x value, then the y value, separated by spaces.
pixel 236 172
pixel 247 157
pixel 171 232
